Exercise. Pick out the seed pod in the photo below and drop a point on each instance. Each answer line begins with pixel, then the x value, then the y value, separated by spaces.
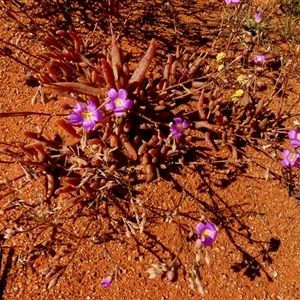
pixel 65 189
pixel 146 158
pixel 224 136
pixel 111 170
pixel 240 115
pixel 211 105
pixel 173 72
pixel 153 152
pixel 78 161
pixel 259 106
pixel 96 161
pixel 136 141
pixel 127 125
pixel 219 118
pixel 153 141
pixel 167 68
pixel 145 126
pixel 88 191
pixel 248 119
pixel 216 109
pixel 164 150
pixel 237 128
pixel 263 124
pixel 96 142
pixel 154 160
pixel 159 108
pixel 77 199
pixel 171 153
pixel 50 184
pixel 103 181
pixel 216 92
pixel 96 185
pixel 253 123
pixel 150 171
pixel 188 138
pixel 206 70
pixel 183 78
pixel 113 141
pixel 127 145
pixel 225 120
pixel 198 84
pixel 75 181
pixel 251 132
pixel 143 148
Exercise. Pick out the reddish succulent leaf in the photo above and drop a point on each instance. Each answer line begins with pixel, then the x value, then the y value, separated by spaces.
pixel 139 73
pixel 68 127
pixel 75 87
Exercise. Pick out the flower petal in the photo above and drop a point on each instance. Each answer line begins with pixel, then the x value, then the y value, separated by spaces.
pixel 285 162
pixel 110 105
pixel 285 153
pixel 210 226
pixel 177 121
pixel 295 143
pixel 79 108
pixel 119 111
pixel 122 94
pixel 88 125
pixel 97 115
pixel 175 131
pixel 91 106
pixel 292 134
pixel 185 124
pixel 127 104
pixel 106 282
pixel 112 94
pixel 75 119
pixel 200 227
pixel 208 242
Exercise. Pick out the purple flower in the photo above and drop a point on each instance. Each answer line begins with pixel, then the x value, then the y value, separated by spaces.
pixel 118 101
pixel 106 282
pixel 232 1
pixel 294 136
pixel 258 17
pixel 259 58
pixel 178 128
pixel 87 116
pixel 290 159
pixel 208 233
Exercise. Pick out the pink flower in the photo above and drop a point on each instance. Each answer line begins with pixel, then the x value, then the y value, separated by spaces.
pixel 258 17
pixel 106 282
pixel 294 136
pixel 290 159
pixel 178 128
pixel 118 101
pixel 207 232
pixel 87 116
pixel 259 58
pixel 232 1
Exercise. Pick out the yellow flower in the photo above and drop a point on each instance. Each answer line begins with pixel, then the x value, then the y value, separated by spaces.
pixel 220 67
pixel 240 79
pixel 237 95
pixel 220 57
